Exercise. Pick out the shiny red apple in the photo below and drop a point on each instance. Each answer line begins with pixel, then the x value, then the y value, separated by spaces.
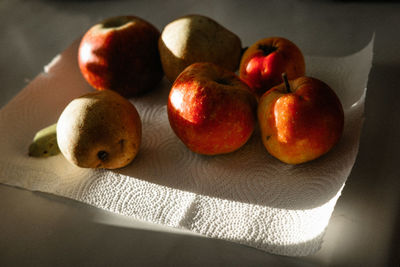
pixel 121 54
pixel 211 110
pixel 263 63
pixel 300 120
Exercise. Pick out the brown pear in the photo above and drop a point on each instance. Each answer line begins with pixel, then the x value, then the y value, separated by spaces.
pixel 196 38
pixel 99 130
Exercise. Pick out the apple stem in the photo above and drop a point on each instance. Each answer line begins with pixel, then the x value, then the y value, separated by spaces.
pixel 285 80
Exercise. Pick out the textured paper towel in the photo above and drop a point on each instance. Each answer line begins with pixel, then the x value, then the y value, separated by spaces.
pixel 246 197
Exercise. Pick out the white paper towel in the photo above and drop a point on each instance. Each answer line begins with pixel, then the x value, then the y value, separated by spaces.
pixel 246 196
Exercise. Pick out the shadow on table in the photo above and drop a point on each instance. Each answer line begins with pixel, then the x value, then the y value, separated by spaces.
pixel 63 232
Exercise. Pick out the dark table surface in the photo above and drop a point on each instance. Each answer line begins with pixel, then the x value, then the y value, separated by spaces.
pixel 37 229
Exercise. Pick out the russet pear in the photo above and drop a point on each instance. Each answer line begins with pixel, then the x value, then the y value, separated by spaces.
pixel 196 38
pixel 99 130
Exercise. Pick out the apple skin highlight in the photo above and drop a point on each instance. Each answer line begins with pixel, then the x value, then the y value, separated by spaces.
pixel 211 110
pixel 302 125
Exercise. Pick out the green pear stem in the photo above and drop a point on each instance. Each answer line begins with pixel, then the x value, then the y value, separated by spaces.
pixel 285 80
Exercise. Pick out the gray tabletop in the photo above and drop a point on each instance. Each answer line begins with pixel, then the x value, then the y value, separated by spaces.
pixel 37 229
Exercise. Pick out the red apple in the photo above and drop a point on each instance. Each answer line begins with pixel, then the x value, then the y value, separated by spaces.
pixel 211 110
pixel 263 63
pixel 300 120
pixel 121 54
